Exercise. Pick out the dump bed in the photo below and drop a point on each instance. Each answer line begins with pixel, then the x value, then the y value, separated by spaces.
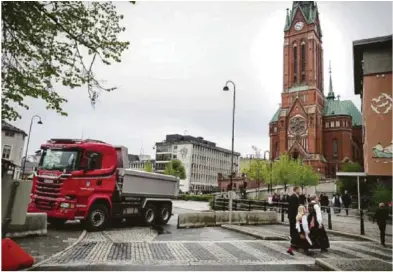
pixel 145 184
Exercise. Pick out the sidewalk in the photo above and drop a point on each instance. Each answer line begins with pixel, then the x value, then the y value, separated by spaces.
pixel 43 247
pixel 351 225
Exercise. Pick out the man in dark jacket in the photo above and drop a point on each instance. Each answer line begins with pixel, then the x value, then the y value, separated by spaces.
pixel 381 215
pixel 346 201
pixel 293 205
pixel 302 200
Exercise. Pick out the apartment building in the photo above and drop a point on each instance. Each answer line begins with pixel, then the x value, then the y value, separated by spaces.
pixel 202 159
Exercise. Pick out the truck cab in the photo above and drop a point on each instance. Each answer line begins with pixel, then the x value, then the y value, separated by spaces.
pixel 71 176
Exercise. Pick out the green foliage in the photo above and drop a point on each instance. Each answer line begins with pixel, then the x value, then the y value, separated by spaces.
pixel 203 198
pixel 304 175
pixel 350 183
pixel 284 171
pixel 382 193
pixel 148 167
pixel 42 45
pixel 175 168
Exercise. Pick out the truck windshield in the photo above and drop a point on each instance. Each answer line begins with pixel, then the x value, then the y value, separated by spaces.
pixel 55 159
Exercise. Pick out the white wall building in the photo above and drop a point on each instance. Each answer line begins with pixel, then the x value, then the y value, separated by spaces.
pixel 202 160
pixel 13 142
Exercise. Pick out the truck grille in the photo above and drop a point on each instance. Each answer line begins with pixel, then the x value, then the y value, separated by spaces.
pixel 49 190
pixel 44 204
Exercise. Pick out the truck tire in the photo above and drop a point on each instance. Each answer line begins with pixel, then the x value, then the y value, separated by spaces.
pixel 56 222
pixel 164 214
pixel 97 218
pixel 149 214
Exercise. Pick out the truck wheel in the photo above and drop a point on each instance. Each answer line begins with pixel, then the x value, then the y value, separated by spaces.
pixel 97 218
pixel 149 214
pixel 56 222
pixel 164 214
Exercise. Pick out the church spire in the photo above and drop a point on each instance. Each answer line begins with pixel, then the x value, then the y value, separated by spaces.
pixel 331 95
pixel 287 20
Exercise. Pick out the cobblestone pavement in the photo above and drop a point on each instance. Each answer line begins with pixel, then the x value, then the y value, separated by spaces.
pixel 42 247
pixel 103 249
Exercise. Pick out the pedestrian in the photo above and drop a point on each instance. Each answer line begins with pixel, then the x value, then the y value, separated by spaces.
pixel 337 201
pixel 346 201
pixel 317 230
pixel 269 201
pixel 302 199
pixel 381 215
pixel 303 229
pixel 293 205
pixel 308 199
pixel 325 202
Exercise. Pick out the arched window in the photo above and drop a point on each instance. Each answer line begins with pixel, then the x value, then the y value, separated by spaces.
pixel 335 148
pixel 294 63
pixel 303 60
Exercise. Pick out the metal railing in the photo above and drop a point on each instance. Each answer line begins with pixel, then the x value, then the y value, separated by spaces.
pixel 359 220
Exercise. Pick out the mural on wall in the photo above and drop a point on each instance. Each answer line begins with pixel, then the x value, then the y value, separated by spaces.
pixel 382 104
pixel 183 153
pixel 381 152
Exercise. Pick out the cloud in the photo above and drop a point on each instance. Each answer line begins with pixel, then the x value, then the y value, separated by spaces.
pixel 180 57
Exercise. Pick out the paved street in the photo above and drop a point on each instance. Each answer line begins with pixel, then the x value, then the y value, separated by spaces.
pixel 140 248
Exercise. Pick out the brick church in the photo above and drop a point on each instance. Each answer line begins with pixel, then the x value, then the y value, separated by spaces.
pixel 322 130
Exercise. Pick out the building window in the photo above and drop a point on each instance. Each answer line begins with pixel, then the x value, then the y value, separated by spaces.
pixel 275 129
pixel 327 125
pixel 175 156
pixel 335 148
pixel 175 147
pixel 303 59
pixel 7 152
pixel 9 134
pixel 337 123
pixel 295 63
pixel 332 124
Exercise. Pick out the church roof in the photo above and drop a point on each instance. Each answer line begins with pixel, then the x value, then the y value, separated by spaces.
pixel 335 108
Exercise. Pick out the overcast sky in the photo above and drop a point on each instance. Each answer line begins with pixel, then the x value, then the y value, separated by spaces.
pixel 181 55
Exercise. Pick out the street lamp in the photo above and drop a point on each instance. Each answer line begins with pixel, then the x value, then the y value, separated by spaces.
pixel 28 141
pixel 226 88
pixel 270 186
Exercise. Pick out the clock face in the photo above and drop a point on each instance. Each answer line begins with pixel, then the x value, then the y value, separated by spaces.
pixel 299 26
pixel 297 125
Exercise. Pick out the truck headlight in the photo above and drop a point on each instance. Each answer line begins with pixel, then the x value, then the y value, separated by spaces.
pixel 65 205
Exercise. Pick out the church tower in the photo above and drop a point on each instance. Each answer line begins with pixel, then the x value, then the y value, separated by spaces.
pixel 300 127
pixel 325 132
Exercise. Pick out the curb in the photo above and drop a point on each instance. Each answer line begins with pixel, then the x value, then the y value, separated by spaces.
pixel 256 235
pixel 58 253
pixel 325 265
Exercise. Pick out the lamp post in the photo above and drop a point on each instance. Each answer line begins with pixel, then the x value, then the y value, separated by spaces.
pixel 226 88
pixel 270 186
pixel 28 141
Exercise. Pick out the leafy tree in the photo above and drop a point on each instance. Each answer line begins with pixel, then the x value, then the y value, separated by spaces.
pixel 148 167
pixel 175 168
pixel 284 171
pixel 304 175
pixel 43 45
pixel 382 193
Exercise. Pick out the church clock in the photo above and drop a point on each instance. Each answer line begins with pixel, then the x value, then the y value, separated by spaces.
pixel 299 26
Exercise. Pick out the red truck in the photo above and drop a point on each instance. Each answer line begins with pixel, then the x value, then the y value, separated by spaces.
pixel 87 180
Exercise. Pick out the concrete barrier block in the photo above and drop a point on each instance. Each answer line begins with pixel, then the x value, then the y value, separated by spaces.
pixel 197 219
pixel 261 217
pixel 238 217
pixel 35 224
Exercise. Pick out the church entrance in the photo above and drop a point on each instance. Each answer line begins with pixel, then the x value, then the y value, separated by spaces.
pixel 295 155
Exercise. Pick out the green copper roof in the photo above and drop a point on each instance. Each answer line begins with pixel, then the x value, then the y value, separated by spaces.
pixel 309 10
pixel 335 108
pixel 275 116
pixel 346 107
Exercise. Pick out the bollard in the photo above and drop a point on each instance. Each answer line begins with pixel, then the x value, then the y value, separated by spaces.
pixel 361 223
pixel 249 205
pixel 214 204
pixel 329 218
pixel 234 204
pixel 282 212
pixel 223 204
pixel 264 206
